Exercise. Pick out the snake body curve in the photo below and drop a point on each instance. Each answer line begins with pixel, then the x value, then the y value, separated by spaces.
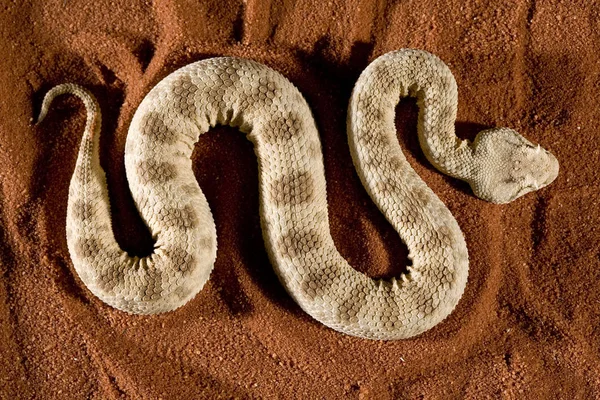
pixel 293 205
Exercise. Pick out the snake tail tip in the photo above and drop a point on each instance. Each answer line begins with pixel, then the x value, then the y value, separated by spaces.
pixel 41 116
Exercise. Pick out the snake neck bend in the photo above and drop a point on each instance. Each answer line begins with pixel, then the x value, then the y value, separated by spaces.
pixel 413 73
pixel 293 206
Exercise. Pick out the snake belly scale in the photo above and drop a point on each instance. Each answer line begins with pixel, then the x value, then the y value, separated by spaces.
pixel 293 204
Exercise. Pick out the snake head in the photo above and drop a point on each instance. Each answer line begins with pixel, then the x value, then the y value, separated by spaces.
pixel 508 166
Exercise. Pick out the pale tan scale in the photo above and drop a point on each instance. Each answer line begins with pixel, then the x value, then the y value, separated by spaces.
pixel 500 165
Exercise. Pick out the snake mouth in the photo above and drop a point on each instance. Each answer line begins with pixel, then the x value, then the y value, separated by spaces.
pixel 533 187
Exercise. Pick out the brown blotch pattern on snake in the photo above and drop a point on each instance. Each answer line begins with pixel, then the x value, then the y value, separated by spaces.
pixel 282 128
pixel 81 210
pixel 298 243
pixel 179 218
pixel 184 102
pixel 293 189
pixel 87 247
pixel 180 258
pixel 153 126
pixel 318 282
pixel 155 172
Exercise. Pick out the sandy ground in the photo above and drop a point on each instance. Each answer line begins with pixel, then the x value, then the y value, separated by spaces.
pixel 529 321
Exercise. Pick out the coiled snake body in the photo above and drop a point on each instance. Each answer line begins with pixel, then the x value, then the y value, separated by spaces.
pixel 500 165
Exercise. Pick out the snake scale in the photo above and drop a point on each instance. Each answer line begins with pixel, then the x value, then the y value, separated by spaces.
pixel 500 165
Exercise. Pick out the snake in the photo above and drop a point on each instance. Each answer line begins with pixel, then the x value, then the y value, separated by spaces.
pixel 500 165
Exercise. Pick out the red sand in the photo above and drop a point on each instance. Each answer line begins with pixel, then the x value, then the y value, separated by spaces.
pixel 528 324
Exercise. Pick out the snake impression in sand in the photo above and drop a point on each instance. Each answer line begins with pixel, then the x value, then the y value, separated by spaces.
pixel 500 165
